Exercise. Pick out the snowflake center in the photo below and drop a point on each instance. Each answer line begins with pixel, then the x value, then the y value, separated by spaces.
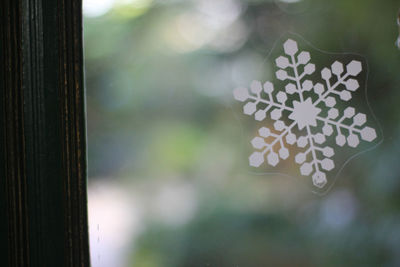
pixel 304 113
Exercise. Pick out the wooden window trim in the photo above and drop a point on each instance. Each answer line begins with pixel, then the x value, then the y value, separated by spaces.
pixel 43 198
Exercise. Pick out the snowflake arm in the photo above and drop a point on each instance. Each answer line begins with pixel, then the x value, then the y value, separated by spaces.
pixel 303 58
pixel 354 129
pixel 315 152
pixel 354 68
pixel 276 105
pixel 259 142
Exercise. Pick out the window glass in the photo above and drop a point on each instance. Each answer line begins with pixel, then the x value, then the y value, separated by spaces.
pixel 170 178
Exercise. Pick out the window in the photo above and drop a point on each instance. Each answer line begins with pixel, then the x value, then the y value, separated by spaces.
pixel 169 176
pixel 168 147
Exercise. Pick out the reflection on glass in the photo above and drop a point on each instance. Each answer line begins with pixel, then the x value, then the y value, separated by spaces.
pixel 169 179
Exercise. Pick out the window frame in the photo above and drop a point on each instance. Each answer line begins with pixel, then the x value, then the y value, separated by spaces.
pixel 43 161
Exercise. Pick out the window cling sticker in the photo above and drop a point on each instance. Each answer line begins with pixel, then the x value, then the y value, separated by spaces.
pixel 316 117
pixel 398 24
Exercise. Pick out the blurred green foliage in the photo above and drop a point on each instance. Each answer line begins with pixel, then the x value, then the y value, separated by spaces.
pixel 159 81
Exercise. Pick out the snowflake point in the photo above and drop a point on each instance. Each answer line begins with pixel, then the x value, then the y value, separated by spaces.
pixel 330 101
pixel 273 159
pixel 241 94
pixel 290 47
pixel 249 108
pixel 256 87
pixel 260 115
pixel 284 153
pixel 353 140
pixel 291 138
pixel 258 142
pixel 327 164
pixel 326 74
pixel 307 85
pixel 319 88
pixel 309 68
pixel 281 97
pixel 354 68
pixel 302 141
pixel 256 159
pixel 319 179
pixel 340 140
pixel 276 114
pixel 349 112
pixel 264 132
pixel 328 152
pixel 327 130
pixel 345 95
pixel 306 169
pixel 337 68
pixel 304 57
pixel 300 158
pixel 360 119
pixel 279 125
pixel 333 113
pixel 268 87
pixel 281 75
pixel 282 62
pixel 368 134
pixel 290 88
pixel 352 85
pixel 319 138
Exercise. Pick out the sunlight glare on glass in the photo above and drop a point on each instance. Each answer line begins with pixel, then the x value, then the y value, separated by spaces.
pixel 135 3
pixel 174 204
pixel 231 38
pixel 132 8
pixel 115 221
pixel 212 24
pixel 290 1
pixel 219 14
pixel 187 33
pixel 96 8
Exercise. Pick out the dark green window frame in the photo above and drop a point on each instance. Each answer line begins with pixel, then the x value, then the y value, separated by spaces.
pixel 43 202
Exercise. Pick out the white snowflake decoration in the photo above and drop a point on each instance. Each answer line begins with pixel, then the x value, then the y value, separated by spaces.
pixel 315 159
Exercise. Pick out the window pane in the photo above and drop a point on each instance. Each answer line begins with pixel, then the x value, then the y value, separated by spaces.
pixel 171 182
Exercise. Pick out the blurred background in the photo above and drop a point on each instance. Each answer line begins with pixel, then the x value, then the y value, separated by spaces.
pixel 169 184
